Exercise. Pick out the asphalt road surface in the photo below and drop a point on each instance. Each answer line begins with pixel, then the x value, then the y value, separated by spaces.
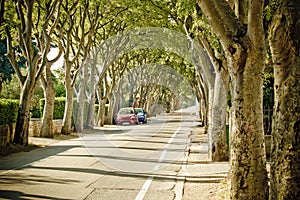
pixel 115 162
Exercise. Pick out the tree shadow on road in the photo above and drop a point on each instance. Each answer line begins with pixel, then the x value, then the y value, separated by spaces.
pixel 12 194
pixel 19 160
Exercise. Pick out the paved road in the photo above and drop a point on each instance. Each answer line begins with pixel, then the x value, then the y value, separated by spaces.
pixel 115 162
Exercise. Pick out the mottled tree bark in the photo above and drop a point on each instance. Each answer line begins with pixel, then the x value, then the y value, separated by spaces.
pixel 220 151
pixel 80 118
pixel 109 119
pixel 284 41
pixel 22 125
pixel 101 114
pixel 201 90
pixel 248 159
pixel 245 52
pixel 91 107
pixel 218 148
pixel 67 119
pixel 49 94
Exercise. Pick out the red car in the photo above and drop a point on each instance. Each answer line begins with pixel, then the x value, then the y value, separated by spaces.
pixel 126 116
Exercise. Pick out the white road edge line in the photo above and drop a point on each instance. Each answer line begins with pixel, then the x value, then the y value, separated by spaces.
pixel 145 188
pixel 148 182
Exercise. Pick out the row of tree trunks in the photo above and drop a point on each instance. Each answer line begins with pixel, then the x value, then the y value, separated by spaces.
pixel 201 94
pixel 244 52
pixel 111 73
pixel 248 157
pixel 76 50
pixel 218 146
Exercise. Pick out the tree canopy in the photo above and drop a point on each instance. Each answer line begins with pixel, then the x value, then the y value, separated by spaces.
pixel 218 46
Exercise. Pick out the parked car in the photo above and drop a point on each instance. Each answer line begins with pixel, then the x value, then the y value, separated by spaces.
pixel 142 115
pixel 126 116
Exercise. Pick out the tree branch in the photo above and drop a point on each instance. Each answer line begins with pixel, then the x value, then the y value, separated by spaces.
pixel 226 25
pixel 11 56
pixel 242 15
pixel 255 24
pixel 46 35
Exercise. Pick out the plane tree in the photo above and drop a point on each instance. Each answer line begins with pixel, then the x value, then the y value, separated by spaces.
pixel 218 148
pixel 116 72
pixel 111 46
pixel 87 65
pixel 29 27
pixel 242 39
pixel 79 25
pixel 72 26
pixel 242 32
pixel 47 84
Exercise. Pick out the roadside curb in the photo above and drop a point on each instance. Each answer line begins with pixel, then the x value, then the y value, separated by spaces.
pixel 201 175
pixel 180 180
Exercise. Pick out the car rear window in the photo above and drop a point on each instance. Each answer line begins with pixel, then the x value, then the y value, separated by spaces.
pixel 139 110
pixel 126 111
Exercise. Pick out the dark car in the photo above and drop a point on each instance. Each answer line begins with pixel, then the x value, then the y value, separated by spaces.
pixel 126 116
pixel 141 114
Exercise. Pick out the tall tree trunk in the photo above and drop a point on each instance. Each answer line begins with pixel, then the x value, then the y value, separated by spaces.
pixel 131 88
pixel 219 137
pixel 49 94
pixel 116 103
pixel 90 122
pixel 219 149
pixel 109 118
pixel 76 47
pixel 209 120
pixel 203 112
pixel 248 158
pixel 285 154
pixel 22 124
pixel 200 95
pixel 81 106
pixel 67 120
pixel 81 99
pixel 101 109
pixel 101 113
pixel 204 103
